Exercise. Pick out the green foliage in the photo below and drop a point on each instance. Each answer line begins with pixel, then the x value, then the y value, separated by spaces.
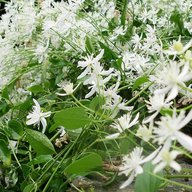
pixel 96 103
pixel 29 188
pixel 37 60
pixel 108 53
pixel 139 81
pixel 15 129
pixel 36 89
pixel 89 45
pixel 5 154
pixel 72 118
pixel 147 181
pixel 177 19
pixel 40 142
pixel 84 165
pixel 4 107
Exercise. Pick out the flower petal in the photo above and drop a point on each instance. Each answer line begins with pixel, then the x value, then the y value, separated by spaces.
pixel 175 166
pixel 184 140
pixel 139 170
pixel 151 156
pixel 113 136
pixel 33 120
pixel 159 167
pixel 128 181
pixel 44 123
pixel 172 94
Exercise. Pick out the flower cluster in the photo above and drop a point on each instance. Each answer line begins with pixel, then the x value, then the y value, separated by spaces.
pixel 105 71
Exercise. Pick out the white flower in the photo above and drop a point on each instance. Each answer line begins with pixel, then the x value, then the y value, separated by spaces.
pixel 144 133
pixel 41 52
pixel 118 31
pixel 166 158
pixel 131 165
pixel 67 87
pixel 88 64
pixel 37 116
pixel 177 48
pixel 136 40
pixel 155 104
pixel 122 124
pixel 125 122
pixel 13 144
pixel 169 129
pixel 171 77
pixel 95 74
pixel 134 62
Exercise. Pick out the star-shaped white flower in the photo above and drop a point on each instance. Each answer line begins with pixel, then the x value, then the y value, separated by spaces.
pixel 37 116
pixel 171 77
pixel 166 158
pixel 123 123
pixel 169 129
pixel 177 48
pixel 67 87
pixel 131 165
pixel 155 104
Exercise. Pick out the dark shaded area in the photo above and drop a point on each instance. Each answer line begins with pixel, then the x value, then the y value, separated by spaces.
pixel 2 8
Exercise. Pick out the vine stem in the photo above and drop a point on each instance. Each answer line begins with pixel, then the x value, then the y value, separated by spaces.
pixel 15 157
pixel 178 176
pixel 138 94
pixel 170 181
pixel 70 148
pixel 87 108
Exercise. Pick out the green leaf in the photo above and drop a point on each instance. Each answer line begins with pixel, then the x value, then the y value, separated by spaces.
pixel 42 159
pixel 89 45
pixel 117 64
pixel 4 107
pixel 124 11
pixel 40 143
pixel 25 106
pixel 127 144
pixel 29 188
pixel 108 53
pixel 177 18
pixel 3 136
pixel 36 89
pixel 84 165
pixel 15 129
pixel 5 93
pixel 146 181
pixel 96 103
pixel 72 118
pixel 5 155
pixel 53 127
pixel 139 81
pixel 166 111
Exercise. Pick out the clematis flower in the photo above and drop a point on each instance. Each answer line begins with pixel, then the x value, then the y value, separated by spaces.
pixel 166 158
pixel 88 64
pixel 37 116
pixel 67 87
pixel 171 77
pixel 145 133
pixel 169 128
pixel 131 165
pixel 155 104
pixel 123 123
pixel 177 48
